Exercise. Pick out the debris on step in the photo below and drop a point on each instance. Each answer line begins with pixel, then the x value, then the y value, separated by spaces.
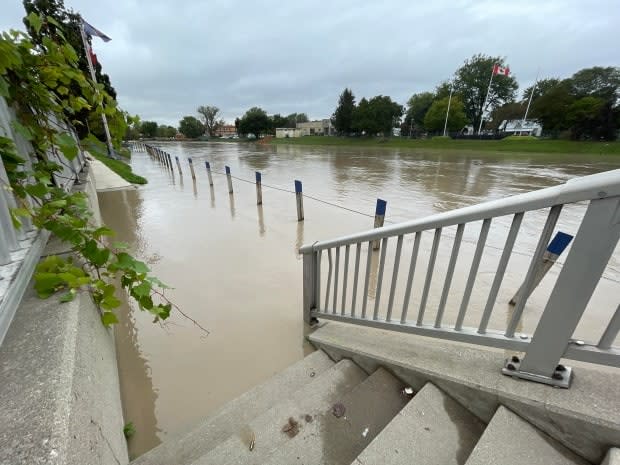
pixel 408 391
pixel 308 418
pixel 338 409
pixel 365 432
pixel 252 442
pixel 291 428
pixel 312 374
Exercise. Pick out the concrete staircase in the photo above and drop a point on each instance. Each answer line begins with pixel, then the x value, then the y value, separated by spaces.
pixel 321 412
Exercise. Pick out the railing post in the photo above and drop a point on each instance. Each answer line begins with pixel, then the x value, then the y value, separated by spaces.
pixel 179 165
pixel 229 179
pixel 592 248
pixel 191 168
pixel 379 219
pixel 259 189
pixel 209 173
pixel 300 201
pixel 309 290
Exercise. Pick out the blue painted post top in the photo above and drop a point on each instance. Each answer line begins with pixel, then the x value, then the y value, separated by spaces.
pixel 227 169
pixel 559 243
pixel 207 165
pixel 189 160
pixel 297 187
pixel 176 158
pixel 381 205
pixel 258 177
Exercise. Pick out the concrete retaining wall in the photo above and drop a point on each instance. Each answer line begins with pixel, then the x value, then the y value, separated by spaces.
pixel 59 390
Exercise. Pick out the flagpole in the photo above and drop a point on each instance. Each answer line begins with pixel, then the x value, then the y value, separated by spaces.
pixel 445 126
pixel 94 78
pixel 485 99
pixel 529 102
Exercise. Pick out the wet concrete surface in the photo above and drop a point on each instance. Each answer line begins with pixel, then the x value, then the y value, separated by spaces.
pixel 235 266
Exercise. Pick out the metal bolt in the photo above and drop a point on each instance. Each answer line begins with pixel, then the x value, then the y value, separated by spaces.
pixel 515 359
pixel 560 368
pixel 602 194
pixel 578 343
pixel 510 367
pixel 557 376
pixel 524 336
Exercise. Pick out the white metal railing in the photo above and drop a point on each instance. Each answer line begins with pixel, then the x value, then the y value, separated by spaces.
pixel 588 256
pixel 21 248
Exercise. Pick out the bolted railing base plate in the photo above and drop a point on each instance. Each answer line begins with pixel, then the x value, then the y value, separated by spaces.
pixel 561 378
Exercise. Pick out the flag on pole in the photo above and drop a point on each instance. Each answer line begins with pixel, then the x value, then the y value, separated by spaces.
pixel 497 69
pixel 93 31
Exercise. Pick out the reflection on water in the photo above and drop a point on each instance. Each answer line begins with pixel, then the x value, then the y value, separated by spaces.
pixel 245 285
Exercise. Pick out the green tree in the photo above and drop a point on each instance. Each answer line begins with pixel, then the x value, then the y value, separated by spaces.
pixel 279 121
pixel 378 115
pixel 148 129
pixel 598 82
pixel 550 108
pixel 255 121
pixel 64 24
pixel 542 87
pixel 417 106
pixel 191 127
pixel 472 81
pixel 584 117
pixel 342 119
pixel 435 117
pixel 166 131
pixel 210 120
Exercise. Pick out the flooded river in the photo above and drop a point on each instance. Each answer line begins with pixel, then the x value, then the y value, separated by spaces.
pixel 235 267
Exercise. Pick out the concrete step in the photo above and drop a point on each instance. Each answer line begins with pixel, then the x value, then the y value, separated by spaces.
pixel 231 417
pixel 332 440
pixel 612 457
pixel 257 440
pixel 508 439
pixel 432 429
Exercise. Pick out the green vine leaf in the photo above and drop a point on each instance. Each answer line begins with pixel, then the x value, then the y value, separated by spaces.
pixel 108 318
pixel 35 21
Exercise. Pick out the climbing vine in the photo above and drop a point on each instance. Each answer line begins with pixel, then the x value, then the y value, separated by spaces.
pixel 44 85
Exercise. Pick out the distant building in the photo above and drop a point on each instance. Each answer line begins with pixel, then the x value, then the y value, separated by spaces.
pixel 282 133
pixel 321 127
pixel 518 127
pixel 226 130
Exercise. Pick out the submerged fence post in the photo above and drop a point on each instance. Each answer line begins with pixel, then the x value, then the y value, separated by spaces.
pixel 379 219
pixel 191 168
pixel 209 173
pixel 554 250
pixel 300 201
pixel 229 179
pixel 259 189
pixel 169 161
pixel 179 165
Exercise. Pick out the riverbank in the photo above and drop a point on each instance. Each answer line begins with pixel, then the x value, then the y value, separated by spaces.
pixel 516 146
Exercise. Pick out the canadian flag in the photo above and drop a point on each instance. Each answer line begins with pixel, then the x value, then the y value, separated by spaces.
pixel 497 69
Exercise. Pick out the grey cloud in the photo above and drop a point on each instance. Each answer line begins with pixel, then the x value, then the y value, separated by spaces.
pixel 166 58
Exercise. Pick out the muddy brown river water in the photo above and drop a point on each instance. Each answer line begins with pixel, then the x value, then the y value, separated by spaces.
pixel 235 266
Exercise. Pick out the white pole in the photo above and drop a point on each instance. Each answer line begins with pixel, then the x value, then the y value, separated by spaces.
pixel 445 126
pixel 92 74
pixel 485 100
pixel 529 102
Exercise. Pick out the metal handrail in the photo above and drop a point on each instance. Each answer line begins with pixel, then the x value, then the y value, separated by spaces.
pixel 589 254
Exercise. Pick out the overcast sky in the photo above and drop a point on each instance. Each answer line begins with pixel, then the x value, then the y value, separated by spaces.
pixel 168 57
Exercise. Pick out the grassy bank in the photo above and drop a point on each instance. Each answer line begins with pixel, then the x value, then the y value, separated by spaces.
pixel 510 145
pixel 119 167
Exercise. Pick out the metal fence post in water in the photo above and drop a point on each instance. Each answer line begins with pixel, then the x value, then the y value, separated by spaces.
pixel 179 165
pixel 191 168
pixel 259 189
pixel 300 200
pixel 169 162
pixel 379 219
pixel 209 173
pixel 229 179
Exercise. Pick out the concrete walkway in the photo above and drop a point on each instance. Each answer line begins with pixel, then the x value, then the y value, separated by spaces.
pixel 106 179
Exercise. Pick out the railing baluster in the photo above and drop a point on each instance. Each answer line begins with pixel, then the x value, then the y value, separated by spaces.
pixel 375 315
pixel 482 239
pixel 358 250
pixel 611 332
pixel 501 269
pixel 450 273
pixel 318 279
pixel 345 278
pixel 414 259
pixel 366 280
pixel 429 276
pixel 329 280
pixel 336 269
pixel 399 248
pixel 545 237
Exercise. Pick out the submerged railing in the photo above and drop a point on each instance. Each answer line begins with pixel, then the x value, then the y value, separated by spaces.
pixel 330 297
pixel 21 248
